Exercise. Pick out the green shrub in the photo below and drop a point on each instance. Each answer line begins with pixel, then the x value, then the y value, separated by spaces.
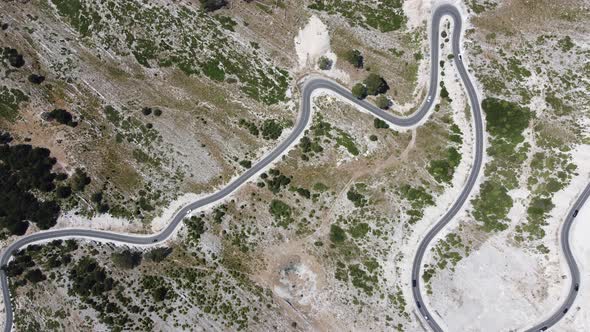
pixel 382 102
pixel 493 209
pixel 324 63
pixel 337 234
pixel 355 197
pixel 196 228
pixel 380 124
pixel 506 119
pixel 359 230
pixel 280 209
pixel 359 90
pixel 271 129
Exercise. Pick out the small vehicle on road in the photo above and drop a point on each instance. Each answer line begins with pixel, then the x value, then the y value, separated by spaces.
pixel 414 283
pixel 577 287
pixel 155 240
pixel 565 310
pixel 418 304
pixel 575 214
pixel 428 99
pixel 544 328
pixel 460 57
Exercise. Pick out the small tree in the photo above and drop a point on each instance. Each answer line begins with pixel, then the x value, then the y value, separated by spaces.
pixel 63 117
pixel 159 293
pixel 382 102
pixel 36 79
pixel 325 63
pixel 375 84
pixel 146 111
pixel 355 58
pixel 359 90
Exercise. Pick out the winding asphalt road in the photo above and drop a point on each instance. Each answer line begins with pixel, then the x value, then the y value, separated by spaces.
pixel 310 85
pixel 571 262
pixel 453 13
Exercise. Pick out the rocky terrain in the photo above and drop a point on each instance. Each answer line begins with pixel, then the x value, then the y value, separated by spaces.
pixel 133 108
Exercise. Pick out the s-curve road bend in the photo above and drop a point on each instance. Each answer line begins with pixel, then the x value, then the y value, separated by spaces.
pixel 453 13
pixel 310 85
pixel 571 262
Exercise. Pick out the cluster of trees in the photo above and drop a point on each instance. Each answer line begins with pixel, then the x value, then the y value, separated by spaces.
pixel 62 116
pixel 23 268
pixel 270 128
pixel 196 228
pixel 24 169
pixel 373 85
pixel 89 278
pixel 277 182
